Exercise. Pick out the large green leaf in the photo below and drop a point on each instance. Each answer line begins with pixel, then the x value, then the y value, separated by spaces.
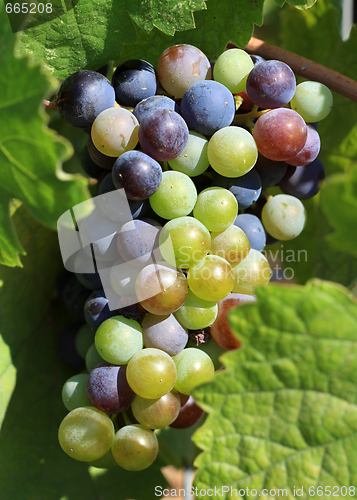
pixel 314 34
pixel 284 412
pixel 30 153
pixel 32 464
pixel 89 34
pixel 223 21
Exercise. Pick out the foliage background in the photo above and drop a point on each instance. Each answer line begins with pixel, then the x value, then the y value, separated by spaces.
pixel 289 333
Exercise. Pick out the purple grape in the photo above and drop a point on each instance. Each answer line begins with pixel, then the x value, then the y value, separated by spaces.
pixel 207 107
pixel 108 389
pixel 271 84
pixel 113 206
pixel 152 103
pixel 165 333
pixel 96 309
pixel 163 134
pixel 310 151
pixel 83 96
pixel 303 182
pixel 134 81
pixel 190 413
pixel 138 173
pixel 137 240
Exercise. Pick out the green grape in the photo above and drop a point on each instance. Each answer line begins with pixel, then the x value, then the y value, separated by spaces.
pixel 115 131
pixel 231 244
pixel 86 434
pixel 232 151
pixel 161 289
pixel 156 413
pixel 232 68
pixel 194 367
pixel 193 160
pixel 93 358
pixel 74 392
pixel 211 279
pixel 211 348
pixel 196 313
pixel 107 461
pixel 312 100
pixel 284 217
pixel 175 197
pixel 184 242
pixel 135 447
pixel 84 339
pixel 151 373
pixel 252 272
pixel 216 208
pixel 118 339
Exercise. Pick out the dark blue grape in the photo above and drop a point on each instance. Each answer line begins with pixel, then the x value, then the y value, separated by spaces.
pixel 139 174
pixel 82 96
pixel 89 166
pixel 96 309
pixel 254 230
pixel 67 345
pixel 152 103
pixel 208 106
pixel 163 134
pixel 303 182
pixel 270 172
pixel 113 206
pixel 108 389
pixel 103 161
pixel 82 262
pixel 134 81
pixel 271 84
pixel 246 188
pixel 72 293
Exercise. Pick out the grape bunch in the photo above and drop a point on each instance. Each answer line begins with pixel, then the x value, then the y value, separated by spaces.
pixel 193 148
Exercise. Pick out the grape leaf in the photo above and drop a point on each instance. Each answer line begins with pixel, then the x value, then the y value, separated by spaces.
pixel 32 464
pixel 223 21
pixel 298 4
pixel 283 414
pixel 30 153
pixel 338 132
pixel 89 33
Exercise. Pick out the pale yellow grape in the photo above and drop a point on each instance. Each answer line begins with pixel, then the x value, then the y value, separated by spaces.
pixel 231 244
pixel 232 151
pixel 312 100
pixel 252 272
pixel 115 131
pixel 232 68
pixel 284 217
pixel 216 208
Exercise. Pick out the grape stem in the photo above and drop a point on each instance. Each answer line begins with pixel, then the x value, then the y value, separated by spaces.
pixel 246 118
pixel 304 67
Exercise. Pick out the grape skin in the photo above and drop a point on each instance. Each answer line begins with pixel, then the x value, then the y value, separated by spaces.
pixel 194 367
pixel 310 150
pixel 207 107
pixel 189 414
pixel 211 279
pixel 232 68
pixel 163 134
pixel 138 173
pixel 284 216
pixel 136 241
pixel 115 131
pixel 216 208
pixel 232 151
pixel 246 188
pixel 74 393
pixel 180 66
pixel 164 332
pixel 280 134
pixel 157 413
pixel 86 434
pixel 108 389
pixel 312 100
pixel 303 182
pixel 252 272
pixel 83 96
pixel 193 160
pixel 152 103
pixel 271 84
pixel 134 81
pixel 253 229
pixel 135 447
pixel 196 313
